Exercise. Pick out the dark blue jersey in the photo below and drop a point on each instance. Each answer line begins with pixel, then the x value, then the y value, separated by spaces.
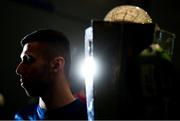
pixel 73 111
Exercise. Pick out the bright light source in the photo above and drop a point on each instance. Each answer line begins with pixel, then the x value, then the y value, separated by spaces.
pixel 89 68
pixel 88 72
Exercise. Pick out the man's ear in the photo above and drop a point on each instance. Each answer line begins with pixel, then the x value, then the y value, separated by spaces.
pixel 57 64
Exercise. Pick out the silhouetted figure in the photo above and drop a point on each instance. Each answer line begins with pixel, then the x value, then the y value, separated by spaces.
pixel 44 73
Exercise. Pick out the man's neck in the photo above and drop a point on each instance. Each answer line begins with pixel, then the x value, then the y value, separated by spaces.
pixel 57 97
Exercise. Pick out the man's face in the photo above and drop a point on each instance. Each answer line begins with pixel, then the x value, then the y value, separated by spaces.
pixel 34 70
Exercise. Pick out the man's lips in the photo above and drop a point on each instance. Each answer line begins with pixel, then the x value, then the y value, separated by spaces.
pixel 23 81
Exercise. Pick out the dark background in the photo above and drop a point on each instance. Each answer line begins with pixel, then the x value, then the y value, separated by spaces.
pixel 19 17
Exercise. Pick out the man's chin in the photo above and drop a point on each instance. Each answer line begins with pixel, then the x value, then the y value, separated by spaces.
pixel 30 94
pixel 34 92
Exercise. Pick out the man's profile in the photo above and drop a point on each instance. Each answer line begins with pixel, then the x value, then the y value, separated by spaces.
pixel 44 73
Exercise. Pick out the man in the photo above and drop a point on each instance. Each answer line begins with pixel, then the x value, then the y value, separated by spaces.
pixel 44 72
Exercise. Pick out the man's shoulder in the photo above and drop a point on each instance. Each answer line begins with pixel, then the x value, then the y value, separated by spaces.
pixel 77 106
pixel 73 111
pixel 26 112
pixel 78 103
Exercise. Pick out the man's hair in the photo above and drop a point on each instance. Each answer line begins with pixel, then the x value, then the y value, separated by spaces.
pixel 57 41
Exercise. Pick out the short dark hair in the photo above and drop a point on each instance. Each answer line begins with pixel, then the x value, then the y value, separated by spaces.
pixel 57 41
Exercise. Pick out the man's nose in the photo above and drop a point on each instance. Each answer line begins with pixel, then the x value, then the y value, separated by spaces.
pixel 19 70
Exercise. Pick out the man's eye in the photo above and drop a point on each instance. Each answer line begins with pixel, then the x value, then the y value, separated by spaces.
pixel 28 59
